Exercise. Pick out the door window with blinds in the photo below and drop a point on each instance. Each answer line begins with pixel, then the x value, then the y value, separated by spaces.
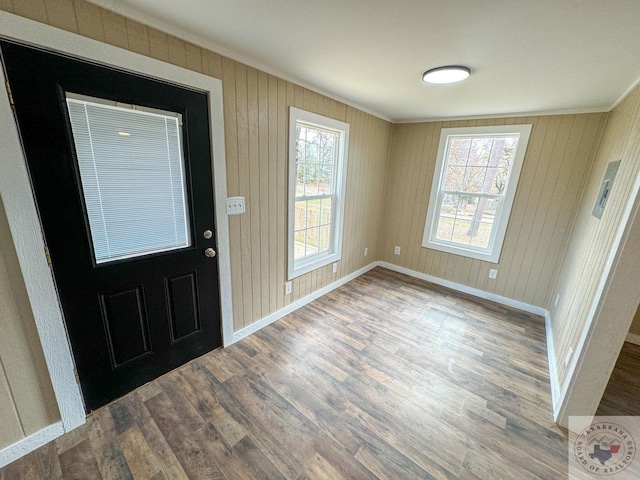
pixel 317 177
pixel 474 184
pixel 131 165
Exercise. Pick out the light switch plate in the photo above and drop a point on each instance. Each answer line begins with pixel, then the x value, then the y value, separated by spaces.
pixel 235 205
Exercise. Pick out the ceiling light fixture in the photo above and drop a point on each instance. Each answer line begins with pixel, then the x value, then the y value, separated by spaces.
pixel 447 74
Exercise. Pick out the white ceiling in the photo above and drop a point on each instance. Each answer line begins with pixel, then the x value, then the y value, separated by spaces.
pixel 526 56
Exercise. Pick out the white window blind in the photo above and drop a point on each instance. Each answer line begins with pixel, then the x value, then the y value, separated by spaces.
pixel 132 173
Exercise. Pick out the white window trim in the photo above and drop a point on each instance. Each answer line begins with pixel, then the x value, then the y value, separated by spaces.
pixel 492 252
pixel 306 265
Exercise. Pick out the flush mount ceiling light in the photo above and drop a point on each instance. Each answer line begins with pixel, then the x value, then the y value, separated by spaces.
pixel 447 74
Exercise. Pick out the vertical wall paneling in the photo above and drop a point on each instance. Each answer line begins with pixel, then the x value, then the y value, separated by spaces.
pixel 592 239
pixel 558 154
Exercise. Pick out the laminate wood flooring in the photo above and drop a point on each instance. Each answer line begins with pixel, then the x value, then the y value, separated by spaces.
pixel 385 377
pixel 622 395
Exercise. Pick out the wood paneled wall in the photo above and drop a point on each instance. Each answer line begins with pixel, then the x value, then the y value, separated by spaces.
pixel 256 113
pixel 555 167
pixel 592 238
pixel 27 402
pixel 256 129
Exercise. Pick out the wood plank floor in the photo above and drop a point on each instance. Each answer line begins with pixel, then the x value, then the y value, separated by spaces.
pixel 622 395
pixel 385 377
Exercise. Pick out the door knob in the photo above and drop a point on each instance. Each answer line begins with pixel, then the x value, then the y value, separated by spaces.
pixel 207 234
pixel 210 252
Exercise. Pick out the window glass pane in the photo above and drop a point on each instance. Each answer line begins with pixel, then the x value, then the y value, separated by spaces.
pixel 323 240
pixel 132 173
pixel 316 160
pixel 480 151
pixel 478 162
pixel 312 241
pixel 447 217
pixel 474 180
pixel 318 148
pixel 300 215
pixel 300 171
pixel 459 150
pixel 466 207
pixel 310 179
pixel 496 180
pixel 508 152
pixel 461 231
pixel 315 177
pixel 325 216
pixel 325 177
pixel 298 238
pixel 445 228
pixel 313 213
pixel 454 178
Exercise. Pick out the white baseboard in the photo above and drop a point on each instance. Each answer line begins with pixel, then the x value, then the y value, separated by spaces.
pixel 30 443
pixel 633 338
pixel 254 327
pixel 466 289
pixel 556 400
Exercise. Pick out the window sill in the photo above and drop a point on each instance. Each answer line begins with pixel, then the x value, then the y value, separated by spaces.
pixel 491 257
pixel 309 265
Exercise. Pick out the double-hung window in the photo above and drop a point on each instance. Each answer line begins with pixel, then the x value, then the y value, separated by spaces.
pixel 473 188
pixel 317 177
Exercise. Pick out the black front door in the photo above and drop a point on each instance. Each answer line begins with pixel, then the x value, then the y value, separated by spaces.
pixel 120 165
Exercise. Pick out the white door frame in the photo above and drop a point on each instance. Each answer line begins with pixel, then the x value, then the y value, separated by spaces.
pixel 21 210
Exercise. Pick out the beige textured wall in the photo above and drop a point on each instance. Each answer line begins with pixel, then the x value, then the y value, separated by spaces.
pixel 592 239
pixel 555 167
pixel 256 123
pixel 27 402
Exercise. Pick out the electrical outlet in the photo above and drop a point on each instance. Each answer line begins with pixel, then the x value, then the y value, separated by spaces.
pixel 396 251
pixel 555 304
pixel 334 269
pixel 568 357
pixel 235 205
pixel 493 273
pixel 366 251
pixel 287 288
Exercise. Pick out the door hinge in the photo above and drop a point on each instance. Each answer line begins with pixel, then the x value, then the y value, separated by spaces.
pixel 75 372
pixel 48 255
pixel 9 93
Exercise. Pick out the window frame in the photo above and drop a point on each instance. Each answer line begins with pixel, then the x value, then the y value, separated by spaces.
pixel 492 252
pixel 295 268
